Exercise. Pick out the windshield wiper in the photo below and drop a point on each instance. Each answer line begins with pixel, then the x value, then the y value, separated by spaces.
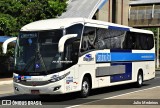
pixel 28 64
pixel 41 59
pixel 33 60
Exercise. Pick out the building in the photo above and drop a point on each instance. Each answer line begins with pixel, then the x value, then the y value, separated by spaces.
pixel 144 13
pixel 115 11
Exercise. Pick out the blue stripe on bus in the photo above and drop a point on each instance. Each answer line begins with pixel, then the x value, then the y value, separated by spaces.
pixel 103 3
pixel 118 28
pixel 122 77
pixel 25 77
pixel 123 57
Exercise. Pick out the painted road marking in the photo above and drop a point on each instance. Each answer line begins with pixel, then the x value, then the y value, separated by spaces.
pixel 112 97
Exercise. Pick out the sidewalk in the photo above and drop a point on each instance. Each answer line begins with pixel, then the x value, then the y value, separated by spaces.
pixel 6 85
pixel 6 81
pixel 6 89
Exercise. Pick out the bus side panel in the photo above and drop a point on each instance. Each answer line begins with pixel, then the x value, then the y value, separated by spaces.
pixel 103 80
pixel 122 77
pixel 87 69
pixel 123 58
pixel 148 68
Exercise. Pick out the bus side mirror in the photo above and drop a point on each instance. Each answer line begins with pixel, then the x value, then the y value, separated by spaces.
pixel 5 44
pixel 63 40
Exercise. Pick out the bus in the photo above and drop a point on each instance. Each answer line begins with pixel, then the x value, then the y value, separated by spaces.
pixel 58 56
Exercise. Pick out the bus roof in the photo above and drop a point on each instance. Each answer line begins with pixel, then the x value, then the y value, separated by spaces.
pixel 50 24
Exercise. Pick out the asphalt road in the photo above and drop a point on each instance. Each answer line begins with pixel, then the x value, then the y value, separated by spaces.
pixel 68 100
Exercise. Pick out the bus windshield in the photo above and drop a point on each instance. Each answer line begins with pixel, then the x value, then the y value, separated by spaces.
pixel 36 51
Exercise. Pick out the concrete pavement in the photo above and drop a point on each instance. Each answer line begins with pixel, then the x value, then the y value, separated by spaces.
pixel 111 97
pixel 6 81
pixel 147 98
pixel 4 91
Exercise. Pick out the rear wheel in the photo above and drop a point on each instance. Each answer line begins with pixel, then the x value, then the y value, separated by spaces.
pixel 139 80
pixel 86 87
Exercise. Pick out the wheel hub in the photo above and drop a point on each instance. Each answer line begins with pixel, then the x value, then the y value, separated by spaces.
pixel 85 87
pixel 140 79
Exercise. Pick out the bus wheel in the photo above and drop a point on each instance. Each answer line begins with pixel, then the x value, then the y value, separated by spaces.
pixel 86 87
pixel 139 80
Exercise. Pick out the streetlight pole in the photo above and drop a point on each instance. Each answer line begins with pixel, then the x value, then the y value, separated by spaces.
pixel 157 47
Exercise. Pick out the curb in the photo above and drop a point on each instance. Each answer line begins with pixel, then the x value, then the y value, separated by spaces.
pixel 6 82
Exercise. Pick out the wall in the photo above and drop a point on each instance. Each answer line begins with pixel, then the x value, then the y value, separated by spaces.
pixel 121 12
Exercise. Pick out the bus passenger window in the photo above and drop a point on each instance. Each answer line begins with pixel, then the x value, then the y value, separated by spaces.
pixel 138 41
pixel 103 40
pixel 88 39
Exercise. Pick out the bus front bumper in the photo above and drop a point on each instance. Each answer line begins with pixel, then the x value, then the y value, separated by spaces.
pixel 51 88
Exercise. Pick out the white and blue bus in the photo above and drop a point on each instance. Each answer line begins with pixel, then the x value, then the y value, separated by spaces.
pixel 58 56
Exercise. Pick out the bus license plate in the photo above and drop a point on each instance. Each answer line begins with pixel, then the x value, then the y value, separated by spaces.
pixel 34 91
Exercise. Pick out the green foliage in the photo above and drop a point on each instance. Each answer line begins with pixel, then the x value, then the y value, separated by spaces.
pixel 57 7
pixel 154 30
pixel 16 13
pixel 5 59
pixel 10 51
pixel 7 24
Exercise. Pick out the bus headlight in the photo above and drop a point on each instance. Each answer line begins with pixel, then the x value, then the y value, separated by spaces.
pixel 55 78
pixel 15 79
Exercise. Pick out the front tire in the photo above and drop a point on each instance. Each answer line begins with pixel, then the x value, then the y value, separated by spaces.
pixel 86 87
pixel 139 82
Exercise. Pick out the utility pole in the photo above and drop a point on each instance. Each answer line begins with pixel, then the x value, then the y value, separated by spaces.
pixel 157 47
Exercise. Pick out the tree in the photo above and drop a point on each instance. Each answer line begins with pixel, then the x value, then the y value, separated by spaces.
pixel 17 13
pixel 7 24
